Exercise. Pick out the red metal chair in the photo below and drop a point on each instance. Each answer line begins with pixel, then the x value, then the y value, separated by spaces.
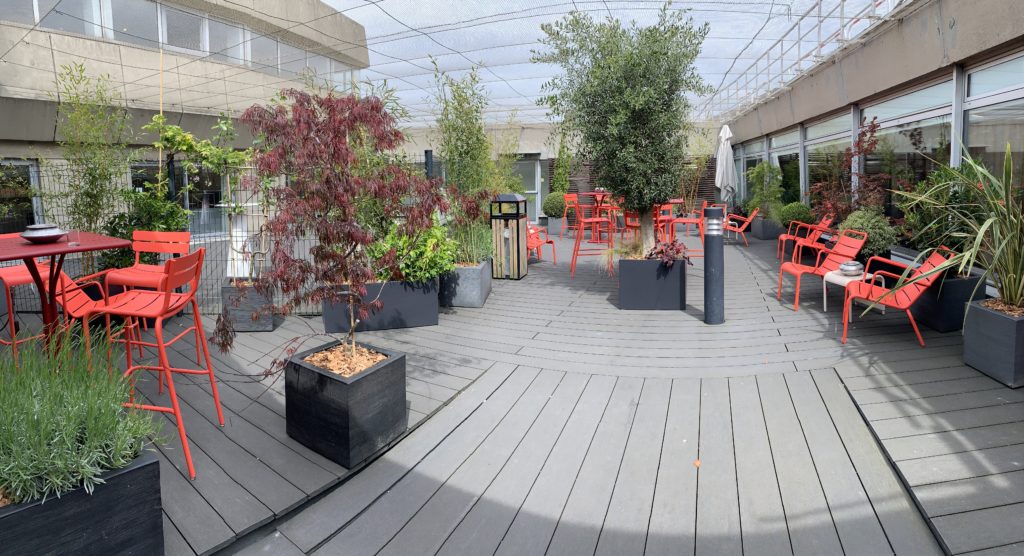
pixel 141 275
pixel 597 225
pixel 847 247
pixel 738 224
pixel 902 299
pixel 534 242
pixel 13 276
pixel 572 202
pixel 801 232
pixel 630 224
pixel 696 219
pixel 664 216
pixel 160 304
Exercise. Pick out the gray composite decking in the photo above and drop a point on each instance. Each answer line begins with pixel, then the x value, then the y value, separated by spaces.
pixel 594 430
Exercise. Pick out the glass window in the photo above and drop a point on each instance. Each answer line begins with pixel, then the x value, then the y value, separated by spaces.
pixel 827 161
pixel 740 193
pixel 837 124
pixel 144 172
pixel 783 139
pixel 15 196
pixel 293 60
pixel 528 170
pixel 320 65
pixel 263 53
pixel 940 94
pixel 225 42
pixel 18 11
pixel 991 128
pixel 907 153
pixel 73 16
pixel 341 78
pixel 996 77
pixel 789 162
pixel 135 21
pixel 183 30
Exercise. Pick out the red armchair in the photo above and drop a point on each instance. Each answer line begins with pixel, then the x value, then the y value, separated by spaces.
pixel 738 224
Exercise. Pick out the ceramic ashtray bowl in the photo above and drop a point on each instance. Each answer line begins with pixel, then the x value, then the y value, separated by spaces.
pixel 851 268
pixel 43 233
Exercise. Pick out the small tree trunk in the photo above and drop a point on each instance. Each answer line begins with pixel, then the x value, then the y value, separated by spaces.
pixel 352 326
pixel 648 237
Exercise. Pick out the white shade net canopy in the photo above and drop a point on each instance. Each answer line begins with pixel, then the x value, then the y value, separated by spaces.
pixel 753 47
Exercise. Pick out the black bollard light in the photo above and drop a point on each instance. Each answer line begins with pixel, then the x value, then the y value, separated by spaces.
pixel 714 266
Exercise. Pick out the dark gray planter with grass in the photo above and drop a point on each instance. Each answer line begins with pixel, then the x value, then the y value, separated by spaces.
pixel 241 304
pixel 405 305
pixel 763 228
pixel 346 420
pixel 941 307
pixel 994 344
pixel 652 285
pixel 466 286
pixel 905 255
pixel 122 516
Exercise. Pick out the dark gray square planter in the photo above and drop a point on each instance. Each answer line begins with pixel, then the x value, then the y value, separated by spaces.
pixel 905 255
pixel 241 304
pixel 406 305
pixel 466 286
pixel 121 516
pixel 763 228
pixel 651 285
pixel 346 420
pixel 941 307
pixel 994 344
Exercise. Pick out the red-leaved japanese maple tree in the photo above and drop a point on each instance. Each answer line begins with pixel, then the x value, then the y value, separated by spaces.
pixel 333 152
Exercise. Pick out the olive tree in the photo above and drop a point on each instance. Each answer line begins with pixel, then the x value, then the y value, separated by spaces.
pixel 621 98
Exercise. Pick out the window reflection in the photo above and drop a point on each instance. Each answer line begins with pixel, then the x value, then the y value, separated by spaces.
pixel 991 128
pixel 909 152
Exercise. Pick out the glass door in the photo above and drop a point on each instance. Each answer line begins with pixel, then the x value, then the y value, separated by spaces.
pixel 528 168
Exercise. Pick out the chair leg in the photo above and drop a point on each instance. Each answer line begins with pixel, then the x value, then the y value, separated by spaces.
pixel 913 323
pixel 847 301
pixel 165 367
pixel 744 236
pixel 778 292
pixel 10 324
pixel 209 364
pixel 575 254
pixel 796 300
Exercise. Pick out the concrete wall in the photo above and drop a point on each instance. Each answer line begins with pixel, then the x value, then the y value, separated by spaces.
pixel 924 40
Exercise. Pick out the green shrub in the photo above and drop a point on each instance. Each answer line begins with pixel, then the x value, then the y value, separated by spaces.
pixel 795 212
pixel 765 182
pixel 150 209
pixel 554 205
pixel 881 233
pixel 420 258
pixel 929 225
pixel 62 421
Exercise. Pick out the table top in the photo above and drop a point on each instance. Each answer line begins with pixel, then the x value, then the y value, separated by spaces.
pixel 14 247
pixel 838 278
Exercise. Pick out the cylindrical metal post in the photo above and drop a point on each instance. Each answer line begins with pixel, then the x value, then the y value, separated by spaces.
pixel 714 266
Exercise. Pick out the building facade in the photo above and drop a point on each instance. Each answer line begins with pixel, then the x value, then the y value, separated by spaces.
pixel 941 78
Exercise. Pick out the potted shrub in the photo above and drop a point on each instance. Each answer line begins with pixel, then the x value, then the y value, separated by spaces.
pixel 765 181
pixel 554 207
pixel 344 191
pixel 405 294
pixel 881 233
pixel 656 281
pixel 74 475
pixel 794 212
pixel 989 221
pixel 942 306
pixel 468 284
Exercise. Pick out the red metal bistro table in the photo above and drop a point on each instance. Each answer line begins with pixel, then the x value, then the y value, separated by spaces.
pixel 14 247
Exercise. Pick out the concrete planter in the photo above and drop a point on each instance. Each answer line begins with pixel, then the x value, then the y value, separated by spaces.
pixel 651 285
pixel 406 305
pixel 763 228
pixel 466 286
pixel 241 304
pixel 123 515
pixel 994 344
pixel 346 420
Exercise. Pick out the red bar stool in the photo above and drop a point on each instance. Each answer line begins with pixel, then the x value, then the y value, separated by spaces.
pixel 598 225
pixel 141 275
pixel 572 202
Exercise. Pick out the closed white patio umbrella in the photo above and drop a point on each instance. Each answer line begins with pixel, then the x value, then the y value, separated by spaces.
pixel 725 170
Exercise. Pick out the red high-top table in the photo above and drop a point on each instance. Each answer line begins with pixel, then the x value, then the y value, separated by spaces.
pixel 14 247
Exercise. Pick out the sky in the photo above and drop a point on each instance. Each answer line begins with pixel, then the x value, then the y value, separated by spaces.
pixel 402 36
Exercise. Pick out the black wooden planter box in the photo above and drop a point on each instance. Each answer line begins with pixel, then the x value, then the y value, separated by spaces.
pixel 466 286
pixel 346 420
pixel 941 307
pixel 241 303
pixel 406 305
pixel 763 228
pixel 994 344
pixel 651 285
pixel 122 516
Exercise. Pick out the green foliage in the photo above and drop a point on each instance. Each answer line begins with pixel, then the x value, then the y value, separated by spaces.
pixel 881 233
pixel 63 422
pixel 15 192
pixel 473 243
pixel 554 204
pixel 150 209
pixel 622 98
pixel 930 225
pixel 562 170
pixel 988 223
pixel 765 181
pixel 420 257
pixel 462 141
pixel 503 176
pixel 795 212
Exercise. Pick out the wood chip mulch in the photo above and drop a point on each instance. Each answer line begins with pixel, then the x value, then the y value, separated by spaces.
pixel 1005 308
pixel 339 360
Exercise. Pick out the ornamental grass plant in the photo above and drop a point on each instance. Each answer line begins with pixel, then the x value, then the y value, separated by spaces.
pixel 63 423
